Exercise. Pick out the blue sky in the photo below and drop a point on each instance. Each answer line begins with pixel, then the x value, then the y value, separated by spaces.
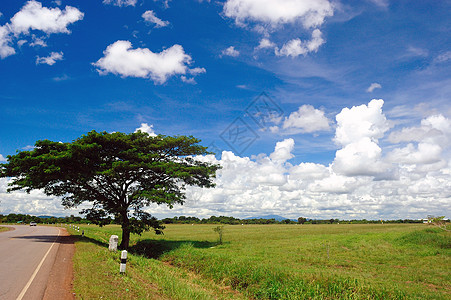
pixel 319 147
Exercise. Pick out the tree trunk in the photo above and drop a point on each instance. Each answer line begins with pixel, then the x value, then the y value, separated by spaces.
pixel 125 232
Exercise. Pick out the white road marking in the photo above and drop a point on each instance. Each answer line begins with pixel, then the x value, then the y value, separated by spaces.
pixel 24 290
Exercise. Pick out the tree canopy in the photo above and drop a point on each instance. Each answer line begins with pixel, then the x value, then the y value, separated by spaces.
pixel 120 174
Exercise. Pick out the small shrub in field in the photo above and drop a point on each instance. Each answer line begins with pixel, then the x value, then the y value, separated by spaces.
pixel 220 231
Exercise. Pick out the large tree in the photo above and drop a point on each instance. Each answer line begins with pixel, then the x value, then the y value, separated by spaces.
pixel 119 173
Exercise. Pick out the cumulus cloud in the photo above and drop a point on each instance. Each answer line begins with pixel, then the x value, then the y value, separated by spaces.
pixel 120 59
pixel 231 51
pixel 435 129
pixel 149 16
pixel 147 129
pixel 282 151
pixel 50 60
pixel 120 2
pixel 33 16
pixel 310 13
pixel 360 122
pixel 362 157
pixel 424 153
pixel 426 144
pixel 365 180
pixel 373 86
pixel 35 203
pixel 352 186
pixel 358 131
pixel 266 16
pixel 2 158
pixel 306 119
pixel 297 47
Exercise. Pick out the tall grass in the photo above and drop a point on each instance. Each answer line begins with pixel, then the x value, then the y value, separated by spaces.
pixel 299 262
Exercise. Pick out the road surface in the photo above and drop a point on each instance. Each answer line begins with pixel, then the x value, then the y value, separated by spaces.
pixel 27 255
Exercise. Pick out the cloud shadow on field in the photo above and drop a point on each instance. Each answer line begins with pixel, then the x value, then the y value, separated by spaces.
pixel 156 248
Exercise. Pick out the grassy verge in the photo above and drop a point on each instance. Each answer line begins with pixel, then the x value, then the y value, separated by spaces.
pixel 282 262
pixel 97 276
pixel 3 228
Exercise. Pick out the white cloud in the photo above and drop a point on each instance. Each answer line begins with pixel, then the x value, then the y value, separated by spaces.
pixel 365 180
pixel 373 86
pixel 34 203
pixel 310 13
pixel 147 129
pixel 426 146
pixel 265 44
pixel 306 120
pixel 197 71
pixel 231 51
pixel 149 16
pixel 266 16
pixel 49 20
pixel 189 80
pixel 358 131
pixel 360 122
pixel 5 43
pixel 425 153
pixel 50 60
pixel 33 16
pixel 120 59
pixel 434 129
pixel 362 157
pixel 2 158
pixel 36 41
pixel 297 47
pixel 120 2
pixel 282 151
pixel 194 72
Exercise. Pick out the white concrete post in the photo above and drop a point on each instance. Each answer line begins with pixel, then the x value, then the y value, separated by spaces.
pixel 123 261
pixel 113 243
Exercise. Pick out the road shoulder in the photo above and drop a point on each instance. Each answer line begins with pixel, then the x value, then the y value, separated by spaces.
pixel 60 283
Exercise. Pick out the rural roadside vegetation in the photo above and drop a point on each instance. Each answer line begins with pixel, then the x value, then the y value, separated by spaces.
pixel 122 175
pixel 334 261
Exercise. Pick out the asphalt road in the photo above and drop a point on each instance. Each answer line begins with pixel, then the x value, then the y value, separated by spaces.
pixel 27 255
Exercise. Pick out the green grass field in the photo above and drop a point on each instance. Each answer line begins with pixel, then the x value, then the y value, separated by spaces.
pixel 382 261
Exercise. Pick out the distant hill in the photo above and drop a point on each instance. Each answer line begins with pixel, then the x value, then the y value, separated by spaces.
pixel 275 217
pixel 45 217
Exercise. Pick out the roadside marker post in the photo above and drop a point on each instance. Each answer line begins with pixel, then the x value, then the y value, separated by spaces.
pixel 123 261
pixel 114 239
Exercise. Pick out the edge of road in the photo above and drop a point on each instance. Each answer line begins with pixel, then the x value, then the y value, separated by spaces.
pixel 60 282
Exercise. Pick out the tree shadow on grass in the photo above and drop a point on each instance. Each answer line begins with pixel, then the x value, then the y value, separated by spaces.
pixel 156 248
pixel 152 248
pixel 90 240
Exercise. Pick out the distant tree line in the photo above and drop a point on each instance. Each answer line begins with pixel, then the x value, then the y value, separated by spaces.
pixel 21 218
